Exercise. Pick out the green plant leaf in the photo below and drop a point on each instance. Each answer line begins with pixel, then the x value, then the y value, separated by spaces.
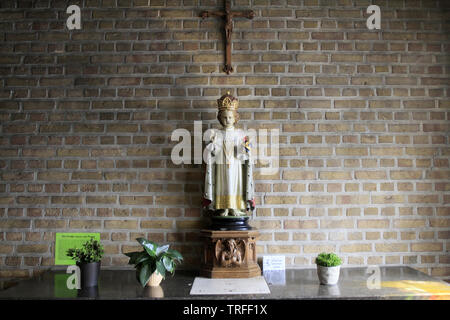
pixel 328 260
pixel 143 258
pixel 175 254
pixel 168 264
pixel 133 256
pixel 144 274
pixel 149 246
pixel 162 249
pixel 160 268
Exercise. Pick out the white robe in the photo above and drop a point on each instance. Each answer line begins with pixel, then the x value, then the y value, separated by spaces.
pixel 229 170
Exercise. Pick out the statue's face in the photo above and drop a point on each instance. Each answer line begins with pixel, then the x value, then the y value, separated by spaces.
pixel 228 119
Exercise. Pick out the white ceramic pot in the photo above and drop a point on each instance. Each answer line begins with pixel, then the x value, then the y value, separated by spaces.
pixel 155 279
pixel 328 275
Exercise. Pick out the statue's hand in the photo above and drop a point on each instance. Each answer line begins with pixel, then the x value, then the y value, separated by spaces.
pixel 251 204
pixel 247 144
pixel 205 202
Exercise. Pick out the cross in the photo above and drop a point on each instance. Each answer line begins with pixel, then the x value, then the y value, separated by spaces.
pixel 228 16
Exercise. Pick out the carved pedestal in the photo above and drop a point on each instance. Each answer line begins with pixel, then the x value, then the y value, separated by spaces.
pixel 229 254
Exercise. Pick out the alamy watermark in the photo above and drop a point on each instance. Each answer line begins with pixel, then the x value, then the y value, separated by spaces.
pixel 264 147
pixel 374 280
pixel 374 21
pixel 73 22
pixel 73 281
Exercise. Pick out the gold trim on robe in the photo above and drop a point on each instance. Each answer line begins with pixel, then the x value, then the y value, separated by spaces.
pixel 225 202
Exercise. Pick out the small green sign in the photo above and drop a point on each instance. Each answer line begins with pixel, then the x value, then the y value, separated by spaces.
pixel 66 241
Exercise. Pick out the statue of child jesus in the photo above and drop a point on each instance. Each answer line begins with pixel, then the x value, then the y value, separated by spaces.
pixel 229 167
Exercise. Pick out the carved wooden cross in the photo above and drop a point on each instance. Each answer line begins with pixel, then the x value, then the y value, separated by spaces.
pixel 228 16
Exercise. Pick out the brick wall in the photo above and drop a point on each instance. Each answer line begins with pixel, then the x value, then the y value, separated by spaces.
pixel 86 118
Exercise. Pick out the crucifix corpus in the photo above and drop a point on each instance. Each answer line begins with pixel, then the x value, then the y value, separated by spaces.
pixel 228 16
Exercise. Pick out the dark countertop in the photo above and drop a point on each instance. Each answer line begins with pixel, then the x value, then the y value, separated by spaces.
pixel 396 283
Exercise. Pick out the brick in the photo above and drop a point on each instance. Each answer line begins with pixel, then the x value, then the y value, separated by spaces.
pixel 337 224
pixel 136 200
pixel 356 247
pixel 156 224
pixel 370 175
pixel 316 199
pixel 122 128
pixel 426 247
pixel 347 58
pixel 280 104
pixel 53 176
pixel 8 249
pixel 423 198
pixel 50 224
pixel 334 127
pixel 14 223
pixel 332 81
pixel 280 200
pixel 318 248
pixel 391 247
pixel 86 175
pixel 32 248
pixel 261 80
pixel 440 223
pixel 286 249
pixel 312 57
pixel 316 151
pixel 190 224
pixel 259 35
pixel 373 223
pixel 386 151
pixel 265 224
pixel 32 200
pixel 121 224
pixel 143 152
pixel 298 175
pixel 327 35
pixel 409 223
pixel 334 175
pixel 300 224
pixel 226 80
pixel 354 199
pixel 101 199
pixel 298 127
pixel 296 80
pixel 402 175
pixel 171 200
pixel 85 224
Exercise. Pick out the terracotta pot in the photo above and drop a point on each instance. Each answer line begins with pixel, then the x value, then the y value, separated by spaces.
pixel 328 275
pixel 155 279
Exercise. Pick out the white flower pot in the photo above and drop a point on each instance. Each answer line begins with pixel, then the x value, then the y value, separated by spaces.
pixel 155 279
pixel 328 275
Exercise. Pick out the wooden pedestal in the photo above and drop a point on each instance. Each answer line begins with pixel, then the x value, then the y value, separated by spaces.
pixel 229 254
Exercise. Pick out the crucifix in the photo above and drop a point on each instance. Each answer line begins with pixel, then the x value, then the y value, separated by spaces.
pixel 228 16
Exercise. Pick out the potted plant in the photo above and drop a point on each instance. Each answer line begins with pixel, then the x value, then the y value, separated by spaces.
pixel 328 267
pixel 88 259
pixel 153 262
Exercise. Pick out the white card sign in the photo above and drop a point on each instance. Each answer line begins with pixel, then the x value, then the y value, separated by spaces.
pixel 271 263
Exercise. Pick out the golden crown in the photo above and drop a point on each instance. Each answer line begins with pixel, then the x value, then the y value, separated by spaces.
pixel 228 102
